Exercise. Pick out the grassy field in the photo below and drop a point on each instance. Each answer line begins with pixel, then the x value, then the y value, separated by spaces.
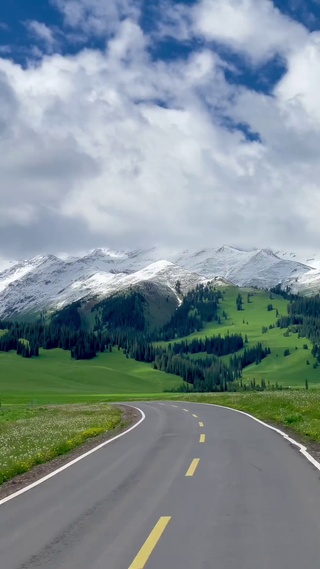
pixel 30 436
pixel 55 378
pixel 289 370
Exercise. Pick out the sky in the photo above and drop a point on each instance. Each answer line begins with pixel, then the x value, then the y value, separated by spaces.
pixel 131 123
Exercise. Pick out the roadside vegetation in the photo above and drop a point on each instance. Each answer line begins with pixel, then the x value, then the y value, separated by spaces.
pixel 34 435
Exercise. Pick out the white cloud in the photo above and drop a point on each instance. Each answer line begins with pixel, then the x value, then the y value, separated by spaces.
pixel 95 16
pixel 299 89
pixel 254 27
pixel 115 147
pixel 42 32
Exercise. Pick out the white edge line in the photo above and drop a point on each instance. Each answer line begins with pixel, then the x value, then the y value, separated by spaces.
pixel 303 449
pixel 65 466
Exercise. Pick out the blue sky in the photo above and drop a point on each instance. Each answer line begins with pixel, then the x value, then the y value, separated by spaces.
pixel 16 36
pixel 183 123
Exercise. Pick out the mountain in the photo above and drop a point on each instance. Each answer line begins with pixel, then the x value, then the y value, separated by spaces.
pixel 261 268
pixel 49 283
pixel 309 282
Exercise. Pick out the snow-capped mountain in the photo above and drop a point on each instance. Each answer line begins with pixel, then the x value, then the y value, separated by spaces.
pixel 261 268
pixel 49 282
pixel 53 283
pixel 309 282
pixel 310 259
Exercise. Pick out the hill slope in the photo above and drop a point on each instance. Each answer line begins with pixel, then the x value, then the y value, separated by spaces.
pixel 291 370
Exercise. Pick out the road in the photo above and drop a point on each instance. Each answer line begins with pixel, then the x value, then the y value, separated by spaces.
pixel 192 487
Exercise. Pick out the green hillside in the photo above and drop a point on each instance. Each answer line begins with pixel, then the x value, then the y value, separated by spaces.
pixel 143 307
pixel 55 377
pixel 289 370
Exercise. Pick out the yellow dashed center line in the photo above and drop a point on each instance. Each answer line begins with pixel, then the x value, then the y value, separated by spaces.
pixel 202 438
pixel 201 424
pixel 186 410
pixel 192 468
pixel 141 559
pixel 196 416
pixel 174 406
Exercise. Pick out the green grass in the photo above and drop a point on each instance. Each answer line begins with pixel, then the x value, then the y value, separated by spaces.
pixel 31 436
pixel 55 378
pixel 291 370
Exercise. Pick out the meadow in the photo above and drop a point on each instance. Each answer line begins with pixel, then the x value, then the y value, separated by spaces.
pixel 56 378
pixel 289 371
pixel 31 436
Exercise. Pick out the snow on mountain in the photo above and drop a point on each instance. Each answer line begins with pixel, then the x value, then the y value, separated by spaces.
pixel 102 284
pixel 21 269
pixel 308 282
pixel 52 285
pixel 166 273
pixel 49 282
pixel 310 259
pixel 213 262
pixel 261 268
pixel 6 264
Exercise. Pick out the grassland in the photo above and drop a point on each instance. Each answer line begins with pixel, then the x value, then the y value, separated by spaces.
pixel 55 378
pixel 31 436
pixel 289 370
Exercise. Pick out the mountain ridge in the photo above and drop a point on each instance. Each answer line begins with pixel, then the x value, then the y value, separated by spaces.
pixel 48 282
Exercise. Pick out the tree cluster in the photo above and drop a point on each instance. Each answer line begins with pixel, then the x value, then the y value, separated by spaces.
pixel 26 339
pixel 198 306
pixel 215 345
pixel 121 312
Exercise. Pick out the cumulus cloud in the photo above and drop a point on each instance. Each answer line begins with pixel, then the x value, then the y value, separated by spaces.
pixel 114 148
pixel 255 27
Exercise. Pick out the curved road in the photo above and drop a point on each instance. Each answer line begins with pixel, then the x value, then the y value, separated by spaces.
pixel 248 501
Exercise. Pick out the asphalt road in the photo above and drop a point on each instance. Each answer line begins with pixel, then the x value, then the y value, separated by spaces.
pixel 250 501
